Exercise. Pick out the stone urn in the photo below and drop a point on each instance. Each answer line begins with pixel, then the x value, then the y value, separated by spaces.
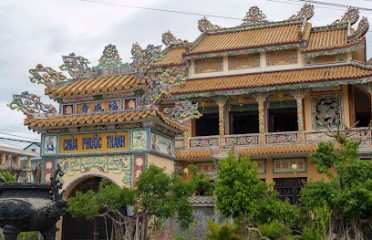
pixel 31 207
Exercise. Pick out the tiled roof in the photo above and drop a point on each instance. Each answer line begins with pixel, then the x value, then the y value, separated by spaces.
pixel 195 154
pixel 250 38
pixel 261 150
pixel 96 86
pixel 103 118
pixel 276 78
pixel 328 39
pixel 172 57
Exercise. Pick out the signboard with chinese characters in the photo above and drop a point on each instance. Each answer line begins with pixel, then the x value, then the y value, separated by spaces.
pixel 162 144
pixel 94 142
pixel 289 165
pixel 99 107
pixel 50 145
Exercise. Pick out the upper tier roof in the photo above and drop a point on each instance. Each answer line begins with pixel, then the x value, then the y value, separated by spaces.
pixel 96 86
pixel 172 57
pixel 309 75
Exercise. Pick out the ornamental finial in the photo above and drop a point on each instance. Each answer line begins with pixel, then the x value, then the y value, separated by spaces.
pixel 205 25
pixel 110 57
pixel 351 15
pixel 75 65
pixel 144 59
pixel 45 75
pixel 306 12
pixel 183 111
pixel 254 16
pixel 30 104
pixel 362 29
pixel 168 39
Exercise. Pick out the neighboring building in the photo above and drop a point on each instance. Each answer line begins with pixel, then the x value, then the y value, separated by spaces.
pixel 267 90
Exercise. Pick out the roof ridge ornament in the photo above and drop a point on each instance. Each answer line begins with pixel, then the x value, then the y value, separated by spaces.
pixel 30 104
pixel 205 25
pixel 110 58
pixel 306 12
pixel 254 16
pixel 144 58
pixel 45 75
pixel 168 39
pixel 183 111
pixel 351 16
pixel 362 29
pixel 76 66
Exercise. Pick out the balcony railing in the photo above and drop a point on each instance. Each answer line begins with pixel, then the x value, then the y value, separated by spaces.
pixel 276 138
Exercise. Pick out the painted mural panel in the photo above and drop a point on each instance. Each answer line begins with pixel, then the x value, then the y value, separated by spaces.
pixel 68 109
pixel 139 167
pixel 326 111
pixel 112 105
pixel 117 164
pixel 289 165
pixel 130 104
pixel 208 65
pixel 162 144
pixel 244 61
pixel 139 140
pixel 261 166
pixel 48 170
pixel 94 142
pixel 50 145
pixel 208 168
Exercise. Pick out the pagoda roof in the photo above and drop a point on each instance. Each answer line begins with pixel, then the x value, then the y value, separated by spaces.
pixel 311 76
pixel 242 38
pixel 96 86
pixel 138 115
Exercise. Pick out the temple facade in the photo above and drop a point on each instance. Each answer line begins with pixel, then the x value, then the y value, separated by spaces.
pixel 268 90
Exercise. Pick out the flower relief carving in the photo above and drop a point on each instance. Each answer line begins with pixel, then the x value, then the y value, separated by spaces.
pixel 306 12
pixel 351 16
pixel 168 39
pixel 76 66
pixel 30 104
pixel 362 29
pixel 327 112
pixel 205 25
pixel 254 16
pixel 46 75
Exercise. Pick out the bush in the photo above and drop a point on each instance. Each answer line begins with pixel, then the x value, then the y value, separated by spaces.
pixel 275 230
pixel 227 231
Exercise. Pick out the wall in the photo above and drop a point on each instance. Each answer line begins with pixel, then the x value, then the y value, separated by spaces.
pixel 166 163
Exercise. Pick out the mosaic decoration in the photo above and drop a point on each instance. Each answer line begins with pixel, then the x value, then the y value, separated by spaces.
pixel 98 107
pixel 50 145
pixel 45 75
pixel 351 16
pixel 289 165
pixel 113 106
pixel 281 138
pixel 183 111
pixel 168 39
pixel 139 167
pixel 205 25
pixel 208 65
pixel 306 12
pixel 326 112
pixel 281 57
pixel 110 57
pixel 159 88
pixel 84 108
pixel 362 29
pixel 48 170
pixel 68 109
pixel 105 164
pixel 30 104
pixel 162 144
pixel 261 166
pixel 144 59
pixel 94 142
pixel 130 104
pixel 209 141
pixel 254 16
pixel 251 139
pixel 244 61
pixel 76 66
pixel 139 140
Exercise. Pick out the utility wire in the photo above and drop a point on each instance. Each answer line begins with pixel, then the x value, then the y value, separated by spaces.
pixel 332 4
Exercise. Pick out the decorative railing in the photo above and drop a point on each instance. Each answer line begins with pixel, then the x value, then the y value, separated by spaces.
pixel 355 133
pixel 281 137
pixel 242 139
pixel 208 141
pixel 179 142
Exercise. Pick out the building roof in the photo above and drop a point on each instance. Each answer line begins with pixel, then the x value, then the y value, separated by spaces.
pixel 172 57
pixel 195 154
pixel 96 86
pixel 263 150
pixel 17 151
pixel 103 118
pixel 275 78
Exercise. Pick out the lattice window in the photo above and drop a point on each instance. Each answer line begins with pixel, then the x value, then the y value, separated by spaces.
pixel 281 57
pixel 208 65
pixel 289 188
pixel 244 61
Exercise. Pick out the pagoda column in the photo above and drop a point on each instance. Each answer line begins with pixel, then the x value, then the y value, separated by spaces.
pixel 3 158
pixel 18 160
pixel 221 102
pixel 187 134
pixel 261 117
pixel 299 95
pixel 28 168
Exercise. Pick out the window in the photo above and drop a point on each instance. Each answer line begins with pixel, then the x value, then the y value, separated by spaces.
pixel 281 57
pixel 282 116
pixel 289 188
pixel 207 125
pixel 244 119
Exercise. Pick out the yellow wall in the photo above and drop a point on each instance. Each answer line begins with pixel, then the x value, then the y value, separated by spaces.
pixel 162 162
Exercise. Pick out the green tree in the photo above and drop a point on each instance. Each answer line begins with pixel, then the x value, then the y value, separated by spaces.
pixel 226 231
pixel 347 194
pixel 202 184
pixel 238 189
pixel 7 177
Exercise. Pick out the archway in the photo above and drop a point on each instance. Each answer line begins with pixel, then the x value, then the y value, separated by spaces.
pixel 81 229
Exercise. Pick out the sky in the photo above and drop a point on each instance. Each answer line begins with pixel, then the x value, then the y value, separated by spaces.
pixel 40 31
